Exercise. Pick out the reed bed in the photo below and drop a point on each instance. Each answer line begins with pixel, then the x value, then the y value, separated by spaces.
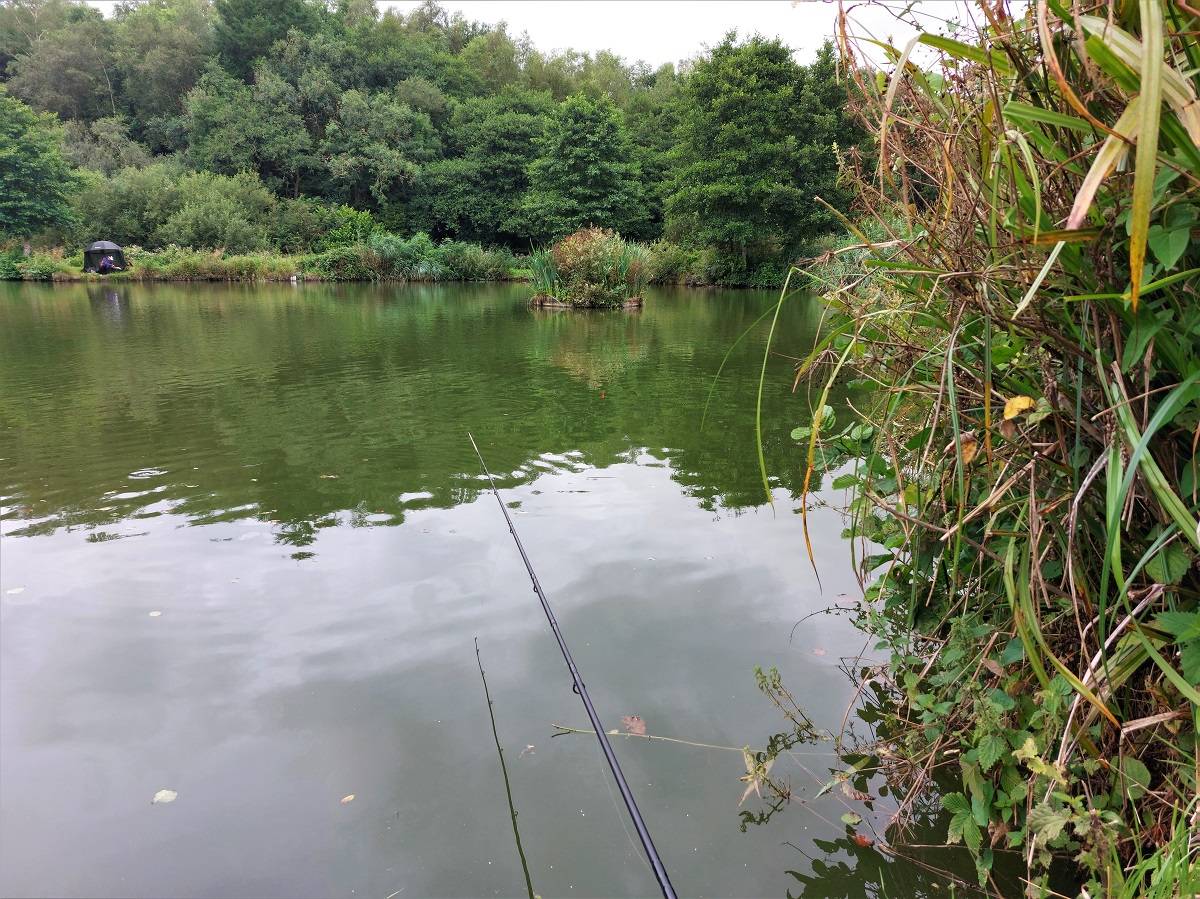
pixel 1020 298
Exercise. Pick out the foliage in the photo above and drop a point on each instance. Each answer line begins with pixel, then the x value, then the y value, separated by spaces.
pixel 583 176
pixel 592 267
pixel 69 71
pixel 103 146
pixel 1024 478
pixel 35 180
pixel 758 138
pixel 438 124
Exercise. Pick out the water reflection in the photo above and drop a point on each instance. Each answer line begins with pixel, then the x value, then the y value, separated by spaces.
pixel 245 555
pixel 297 406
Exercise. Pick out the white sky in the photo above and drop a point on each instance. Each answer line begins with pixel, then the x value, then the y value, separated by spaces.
pixel 659 31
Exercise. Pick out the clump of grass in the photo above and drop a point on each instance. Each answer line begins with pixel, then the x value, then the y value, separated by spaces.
pixel 1022 303
pixel 592 268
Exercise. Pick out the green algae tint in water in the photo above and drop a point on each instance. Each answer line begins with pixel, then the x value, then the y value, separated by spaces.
pixel 245 553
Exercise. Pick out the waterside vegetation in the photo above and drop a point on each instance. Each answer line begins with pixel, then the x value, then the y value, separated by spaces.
pixel 281 130
pixel 1020 300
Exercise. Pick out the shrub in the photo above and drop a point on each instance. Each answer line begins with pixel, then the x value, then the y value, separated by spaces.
pixel 592 267
pixel 471 262
pixel 672 264
pixel 38 267
pixel 348 263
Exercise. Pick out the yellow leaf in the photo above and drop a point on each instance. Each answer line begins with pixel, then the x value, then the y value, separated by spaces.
pixel 1014 406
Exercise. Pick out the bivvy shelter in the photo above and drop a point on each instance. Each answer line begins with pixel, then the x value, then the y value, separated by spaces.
pixel 95 252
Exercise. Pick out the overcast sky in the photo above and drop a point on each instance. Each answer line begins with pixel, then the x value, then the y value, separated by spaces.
pixel 660 31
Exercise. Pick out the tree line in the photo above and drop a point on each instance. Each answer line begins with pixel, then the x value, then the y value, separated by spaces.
pixel 264 124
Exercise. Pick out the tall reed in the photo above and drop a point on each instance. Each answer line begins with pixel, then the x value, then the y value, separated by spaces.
pixel 1024 472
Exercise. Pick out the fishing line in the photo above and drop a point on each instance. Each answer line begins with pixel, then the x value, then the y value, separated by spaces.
pixel 656 865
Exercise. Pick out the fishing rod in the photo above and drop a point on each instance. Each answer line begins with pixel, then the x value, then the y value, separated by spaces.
pixel 656 865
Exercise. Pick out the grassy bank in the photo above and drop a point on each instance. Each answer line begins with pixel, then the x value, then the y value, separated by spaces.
pixel 1024 476
pixel 379 256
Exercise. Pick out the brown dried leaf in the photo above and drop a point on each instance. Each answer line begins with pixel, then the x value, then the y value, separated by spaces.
pixel 634 724
pixel 993 666
pixel 852 793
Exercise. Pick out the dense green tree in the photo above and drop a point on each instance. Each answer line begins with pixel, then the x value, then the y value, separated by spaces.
pixel 425 119
pixel 130 206
pixel 584 174
pixel 218 211
pixel 35 179
pixel 374 145
pixel 23 21
pixel 247 29
pixel 493 59
pixel 70 71
pixel 103 146
pixel 477 193
pixel 555 73
pixel 222 123
pixel 749 161
pixel 652 115
pixel 161 49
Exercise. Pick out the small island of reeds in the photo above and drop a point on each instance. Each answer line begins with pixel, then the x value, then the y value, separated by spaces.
pixel 594 268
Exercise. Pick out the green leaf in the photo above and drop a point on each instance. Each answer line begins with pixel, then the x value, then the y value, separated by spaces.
pixel 1136 777
pixel 1189 660
pixel 1013 652
pixel 1002 700
pixel 851 819
pixel 955 803
pixel 969 52
pixel 1180 625
pixel 1169 565
pixel 845 481
pixel 1168 246
pixel 991 749
pixel 801 433
pixel 1047 822
pixel 1024 112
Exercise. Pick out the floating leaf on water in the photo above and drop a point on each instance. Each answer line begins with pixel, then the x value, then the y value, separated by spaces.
pixel 155 614
pixel 347 799
pixel 163 796
pixel 634 724
pixel 1015 405
pixel 863 841
pixel 851 818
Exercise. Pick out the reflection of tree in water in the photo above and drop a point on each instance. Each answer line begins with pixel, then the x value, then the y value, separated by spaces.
pixel 598 347
pixel 295 405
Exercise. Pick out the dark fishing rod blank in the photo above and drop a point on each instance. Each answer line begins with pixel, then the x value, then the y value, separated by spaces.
pixel 656 865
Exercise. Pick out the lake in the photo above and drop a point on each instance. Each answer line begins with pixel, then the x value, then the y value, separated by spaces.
pixel 246 551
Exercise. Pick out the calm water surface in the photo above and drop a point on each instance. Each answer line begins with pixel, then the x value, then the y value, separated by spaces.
pixel 245 554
